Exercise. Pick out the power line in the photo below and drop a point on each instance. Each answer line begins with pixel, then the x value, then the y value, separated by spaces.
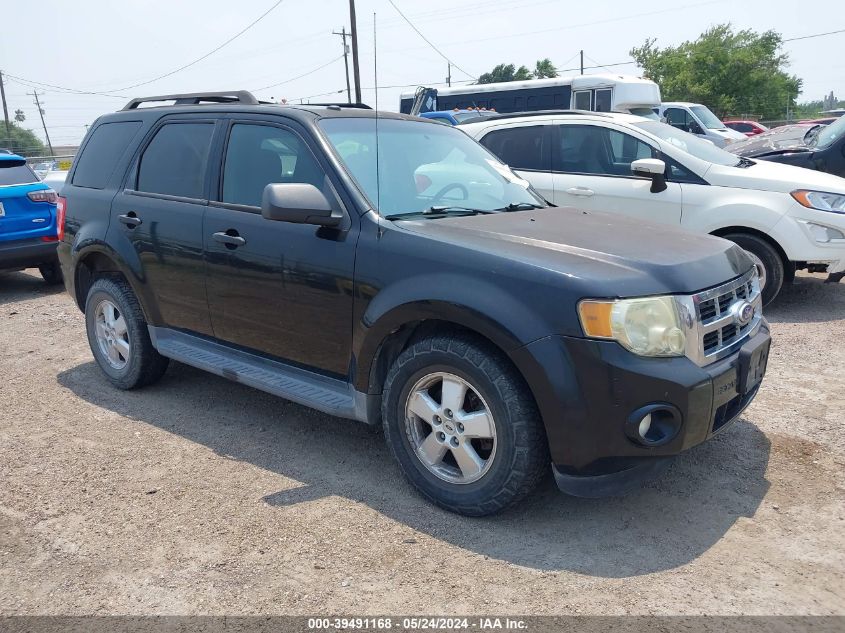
pixel 310 72
pixel 211 52
pixel 807 37
pixel 411 24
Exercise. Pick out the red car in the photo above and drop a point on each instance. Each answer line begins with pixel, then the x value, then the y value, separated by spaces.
pixel 749 128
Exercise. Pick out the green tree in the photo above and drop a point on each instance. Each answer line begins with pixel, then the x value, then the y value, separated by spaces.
pixel 730 72
pixel 505 72
pixel 20 141
pixel 544 68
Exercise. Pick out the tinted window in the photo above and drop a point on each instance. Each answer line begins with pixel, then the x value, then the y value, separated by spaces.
pixel 742 127
pixel 17 175
pixel 174 163
pixel 258 155
pixel 603 99
pixel 597 150
pixel 102 152
pixel 676 117
pixel 521 147
pixel 582 100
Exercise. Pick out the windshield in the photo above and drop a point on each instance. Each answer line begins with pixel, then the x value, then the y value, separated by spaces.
pixel 828 135
pixel 691 144
pixel 421 166
pixel 647 113
pixel 707 118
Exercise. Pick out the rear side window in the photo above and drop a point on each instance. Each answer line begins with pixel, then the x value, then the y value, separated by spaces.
pixel 525 147
pixel 102 152
pixel 175 161
pixel 16 175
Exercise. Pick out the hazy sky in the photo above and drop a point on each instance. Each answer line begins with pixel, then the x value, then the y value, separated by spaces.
pixel 101 46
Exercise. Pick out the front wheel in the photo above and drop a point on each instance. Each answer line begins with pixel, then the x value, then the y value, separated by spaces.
pixel 767 260
pixel 463 426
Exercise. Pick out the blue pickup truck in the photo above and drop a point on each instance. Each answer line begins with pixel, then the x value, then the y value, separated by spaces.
pixel 29 226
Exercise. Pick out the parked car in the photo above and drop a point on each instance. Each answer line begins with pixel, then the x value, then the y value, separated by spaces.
pixel 697 119
pixel 28 227
pixel 819 147
pixel 289 248
pixel 749 128
pixel 458 116
pixel 55 179
pixel 786 217
pixel 42 168
pixel 820 121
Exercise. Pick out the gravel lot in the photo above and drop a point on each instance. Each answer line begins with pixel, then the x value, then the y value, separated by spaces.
pixel 198 495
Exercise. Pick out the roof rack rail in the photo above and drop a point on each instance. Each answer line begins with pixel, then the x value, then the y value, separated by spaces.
pixel 194 98
pixel 362 106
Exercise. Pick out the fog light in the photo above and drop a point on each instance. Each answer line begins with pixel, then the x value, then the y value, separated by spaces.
pixel 645 425
pixel 824 234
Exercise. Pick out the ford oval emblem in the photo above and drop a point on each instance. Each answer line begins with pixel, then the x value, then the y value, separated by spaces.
pixel 743 313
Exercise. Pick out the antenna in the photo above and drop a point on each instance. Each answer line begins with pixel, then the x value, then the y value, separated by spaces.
pixel 375 81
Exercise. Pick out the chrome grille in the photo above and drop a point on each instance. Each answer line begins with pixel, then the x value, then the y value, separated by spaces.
pixel 713 329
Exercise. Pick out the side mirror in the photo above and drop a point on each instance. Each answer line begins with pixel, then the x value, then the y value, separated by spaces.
pixel 298 203
pixel 653 168
pixel 694 128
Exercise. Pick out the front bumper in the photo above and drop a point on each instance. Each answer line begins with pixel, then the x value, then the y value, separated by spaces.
pixel 794 234
pixel 19 254
pixel 589 392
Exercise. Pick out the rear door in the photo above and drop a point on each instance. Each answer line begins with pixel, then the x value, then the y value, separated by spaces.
pixel 591 166
pixel 160 213
pixel 20 217
pixel 527 148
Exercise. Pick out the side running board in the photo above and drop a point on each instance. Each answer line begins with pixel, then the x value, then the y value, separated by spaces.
pixel 329 395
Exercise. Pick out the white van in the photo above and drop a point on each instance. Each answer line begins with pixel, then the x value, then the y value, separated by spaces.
pixel 786 217
pixel 699 120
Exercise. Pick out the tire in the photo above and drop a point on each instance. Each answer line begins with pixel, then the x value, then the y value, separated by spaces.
pixel 135 362
pixel 768 257
pixel 52 273
pixel 514 460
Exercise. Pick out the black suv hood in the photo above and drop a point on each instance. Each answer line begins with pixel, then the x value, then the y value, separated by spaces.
pixel 788 138
pixel 606 254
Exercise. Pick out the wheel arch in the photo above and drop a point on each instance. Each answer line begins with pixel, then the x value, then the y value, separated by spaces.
pixel 96 261
pixel 788 265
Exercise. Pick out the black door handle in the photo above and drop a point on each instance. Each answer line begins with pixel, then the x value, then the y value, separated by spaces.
pixel 228 239
pixel 130 219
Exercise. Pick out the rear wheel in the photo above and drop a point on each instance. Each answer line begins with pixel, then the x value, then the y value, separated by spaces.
pixel 52 273
pixel 767 260
pixel 118 336
pixel 463 426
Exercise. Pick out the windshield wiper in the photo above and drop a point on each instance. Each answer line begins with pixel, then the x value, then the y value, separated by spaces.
pixel 745 162
pixel 441 211
pixel 521 206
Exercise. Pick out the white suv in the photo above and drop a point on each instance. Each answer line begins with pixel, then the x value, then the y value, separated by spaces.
pixel 787 217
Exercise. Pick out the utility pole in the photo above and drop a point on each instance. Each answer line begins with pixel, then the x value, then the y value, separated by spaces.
pixel 34 93
pixel 5 110
pixel 355 72
pixel 582 62
pixel 449 74
pixel 344 35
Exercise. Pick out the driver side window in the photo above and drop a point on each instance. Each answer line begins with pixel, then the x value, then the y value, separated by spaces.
pixel 677 118
pixel 258 155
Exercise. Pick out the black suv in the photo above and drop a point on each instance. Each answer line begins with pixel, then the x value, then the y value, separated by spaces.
pixel 389 269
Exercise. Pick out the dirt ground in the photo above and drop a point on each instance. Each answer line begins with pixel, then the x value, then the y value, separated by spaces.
pixel 201 496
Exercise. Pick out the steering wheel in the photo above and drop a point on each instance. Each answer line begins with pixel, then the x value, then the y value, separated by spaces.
pixel 447 189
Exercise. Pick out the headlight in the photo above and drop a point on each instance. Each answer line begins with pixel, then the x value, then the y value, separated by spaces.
pixel 649 327
pixel 820 200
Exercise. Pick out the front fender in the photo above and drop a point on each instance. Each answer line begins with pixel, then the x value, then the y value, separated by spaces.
pixel 475 304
